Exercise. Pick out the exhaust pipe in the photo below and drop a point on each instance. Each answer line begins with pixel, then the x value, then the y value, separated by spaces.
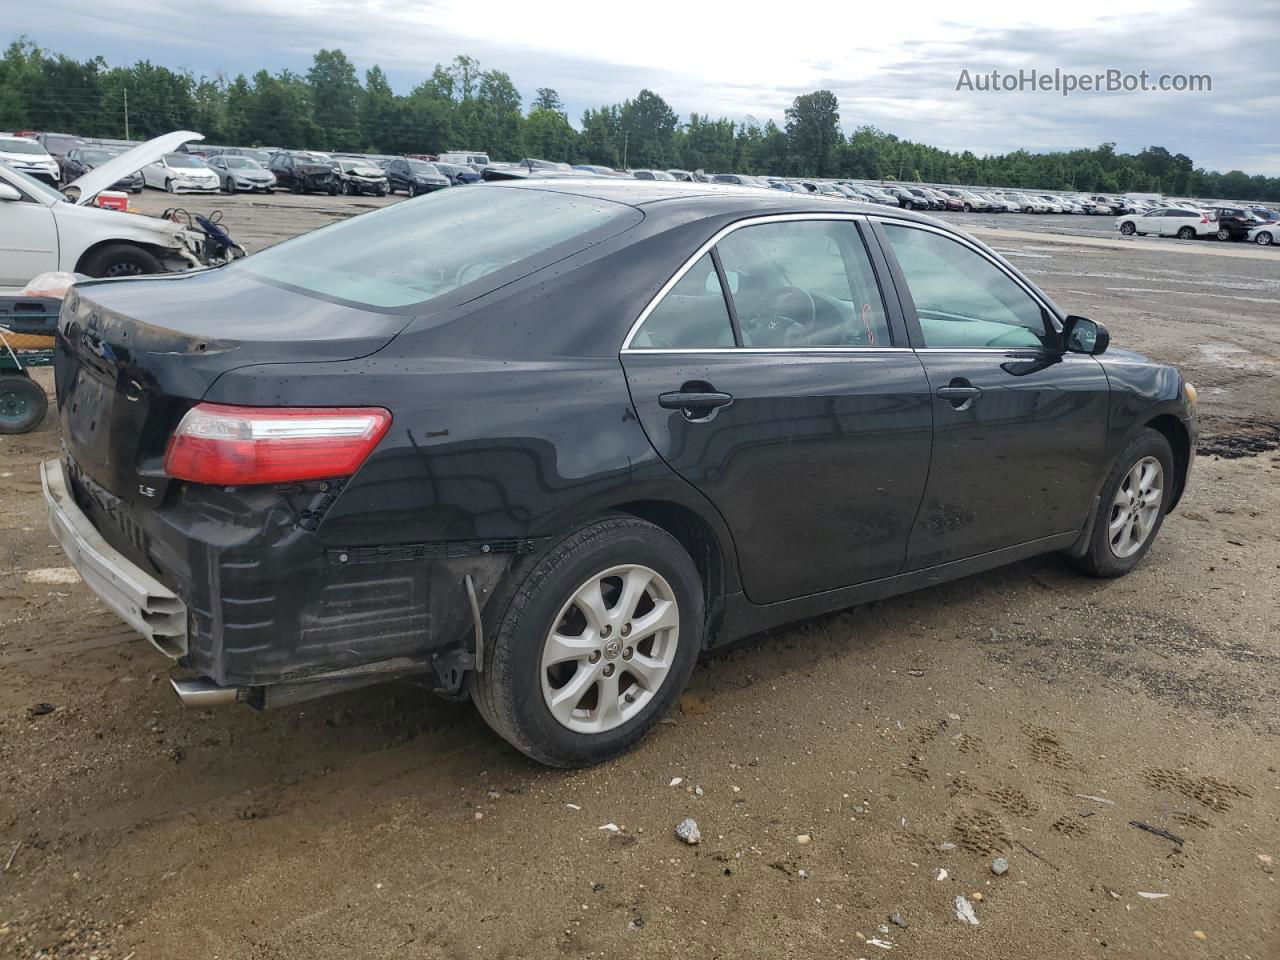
pixel 200 692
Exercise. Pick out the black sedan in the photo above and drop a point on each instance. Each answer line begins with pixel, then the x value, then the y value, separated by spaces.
pixel 80 160
pixel 414 177
pixel 543 443
pixel 304 173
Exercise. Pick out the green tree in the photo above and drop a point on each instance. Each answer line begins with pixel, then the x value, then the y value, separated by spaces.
pixel 548 135
pixel 547 99
pixel 813 131
pixel 335 97
pixel 648 128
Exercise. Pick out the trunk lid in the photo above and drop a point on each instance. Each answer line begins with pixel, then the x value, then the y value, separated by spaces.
pixel 134 355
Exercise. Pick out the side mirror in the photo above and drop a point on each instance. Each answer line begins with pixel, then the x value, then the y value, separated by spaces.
pixel 1082 335
pixel 9 192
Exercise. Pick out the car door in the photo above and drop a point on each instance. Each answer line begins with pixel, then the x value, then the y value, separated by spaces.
pixel 28 236
pixel 1019 425
pixel 770 375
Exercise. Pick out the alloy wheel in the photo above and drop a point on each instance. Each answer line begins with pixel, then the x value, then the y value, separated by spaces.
pixel 610 649
pixel 1136 507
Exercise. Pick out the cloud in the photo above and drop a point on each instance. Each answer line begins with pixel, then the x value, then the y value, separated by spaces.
pixel 895 66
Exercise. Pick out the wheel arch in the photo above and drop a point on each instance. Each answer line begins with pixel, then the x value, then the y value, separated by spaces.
pixel 158 251
pixel 713 557
pixel 1175 432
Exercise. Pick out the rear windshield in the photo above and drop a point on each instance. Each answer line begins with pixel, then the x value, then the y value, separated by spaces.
pixel 414 252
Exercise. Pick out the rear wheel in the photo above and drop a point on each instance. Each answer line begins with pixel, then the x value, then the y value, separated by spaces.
pixel 594 645
pixel 1133 503
pixel 1186 233
pixel 1223 233
pixel 23 404
pixel 120 260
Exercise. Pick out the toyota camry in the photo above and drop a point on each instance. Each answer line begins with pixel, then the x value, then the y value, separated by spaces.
pixel 545 442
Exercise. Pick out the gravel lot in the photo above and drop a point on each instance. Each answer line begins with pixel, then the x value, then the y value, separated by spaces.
pixel 1027 713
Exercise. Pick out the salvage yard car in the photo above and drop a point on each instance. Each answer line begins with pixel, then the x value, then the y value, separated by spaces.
pixel 361 177
pixel 242 174
pixel 29 157
pixel 414 177
pixel 81 160
pixel 1184 223
pixel 547 441
pixel 43 230
pixel 180 173
pixel 305 173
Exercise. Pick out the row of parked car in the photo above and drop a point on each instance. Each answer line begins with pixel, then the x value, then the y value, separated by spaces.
pixel 1191 220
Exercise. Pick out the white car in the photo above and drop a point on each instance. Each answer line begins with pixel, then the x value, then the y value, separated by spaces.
pixel 29 157
pixel 181 173
pixel 42 230
pixel 1265 234
pixel 1185 223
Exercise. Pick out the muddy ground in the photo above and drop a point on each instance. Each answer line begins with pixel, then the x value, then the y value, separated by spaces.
pixel 1027 713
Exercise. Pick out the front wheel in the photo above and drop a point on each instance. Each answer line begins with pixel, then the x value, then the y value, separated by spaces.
pixel 1128 229
pixel 1133 504
pixel 967 208
pixel 170 186
pixel 120 260
pixel 594 645
pixel 1264 238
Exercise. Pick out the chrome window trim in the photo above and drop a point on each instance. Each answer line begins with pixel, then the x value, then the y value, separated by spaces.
pixel 682 350
pixel 964 241
pixel 701 252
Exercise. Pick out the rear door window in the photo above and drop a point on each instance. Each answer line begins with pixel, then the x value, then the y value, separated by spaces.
pixel 693 315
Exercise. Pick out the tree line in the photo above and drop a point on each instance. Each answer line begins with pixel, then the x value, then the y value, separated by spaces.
pixel 463 106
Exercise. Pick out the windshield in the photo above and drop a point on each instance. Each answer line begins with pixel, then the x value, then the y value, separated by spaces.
pixel 21 146
pixel 414 252
pixel 96 156
pixel 30 184
pixel 239 163
pixel 61 144
pixel 183 161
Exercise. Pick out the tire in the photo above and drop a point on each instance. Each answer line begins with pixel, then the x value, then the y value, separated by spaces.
pixel 231 187
pixel 23 404
pixel 170 188
pixel 348 190
pixel 380 193
pixel 512 692
pixel 967 208
pixel 1128 228
pixel 1186 233
pixel 1102 559
pixel 1264 238
pixel 1223 234
pixel 120 260
pixel 413 190
pixel 136 191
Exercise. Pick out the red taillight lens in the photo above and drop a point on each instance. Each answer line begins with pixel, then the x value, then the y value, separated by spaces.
pixel 234 446
pixel 1204 218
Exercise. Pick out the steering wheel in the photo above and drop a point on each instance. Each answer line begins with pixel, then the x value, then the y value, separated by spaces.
pixel 769 323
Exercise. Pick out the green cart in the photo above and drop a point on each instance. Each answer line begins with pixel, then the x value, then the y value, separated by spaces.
pixel 28 326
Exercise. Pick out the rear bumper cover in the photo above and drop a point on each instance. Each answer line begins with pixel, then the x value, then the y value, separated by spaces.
pixel 239 586
pixel 138 598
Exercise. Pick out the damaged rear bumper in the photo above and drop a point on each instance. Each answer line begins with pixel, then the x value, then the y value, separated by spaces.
pixel 238 587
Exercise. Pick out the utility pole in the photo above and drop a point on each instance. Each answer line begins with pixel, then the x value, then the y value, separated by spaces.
pixel 625 135
pixel 126 113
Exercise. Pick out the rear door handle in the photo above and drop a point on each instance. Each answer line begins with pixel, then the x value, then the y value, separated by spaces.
pixel 684 399
pixel 695 401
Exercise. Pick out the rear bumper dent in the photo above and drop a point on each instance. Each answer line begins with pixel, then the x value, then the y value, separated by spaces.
pixel 139 599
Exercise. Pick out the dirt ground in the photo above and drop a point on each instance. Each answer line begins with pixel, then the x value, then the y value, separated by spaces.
pixel 866 764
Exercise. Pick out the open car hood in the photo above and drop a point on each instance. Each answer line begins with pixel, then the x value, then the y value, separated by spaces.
pixel 118 168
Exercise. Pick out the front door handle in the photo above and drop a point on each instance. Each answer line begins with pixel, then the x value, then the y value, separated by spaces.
pixel 697 401
pixel 961 393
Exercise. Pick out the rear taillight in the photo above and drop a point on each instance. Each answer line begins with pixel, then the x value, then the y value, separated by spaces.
pixel 234 446
pixel 1204 218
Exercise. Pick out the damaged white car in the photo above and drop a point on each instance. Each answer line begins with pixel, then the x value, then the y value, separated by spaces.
pixel 43 230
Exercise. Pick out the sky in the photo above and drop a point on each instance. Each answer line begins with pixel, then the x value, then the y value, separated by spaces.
pixel 894 66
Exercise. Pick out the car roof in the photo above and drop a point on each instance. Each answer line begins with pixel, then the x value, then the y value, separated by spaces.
pixel 673 194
